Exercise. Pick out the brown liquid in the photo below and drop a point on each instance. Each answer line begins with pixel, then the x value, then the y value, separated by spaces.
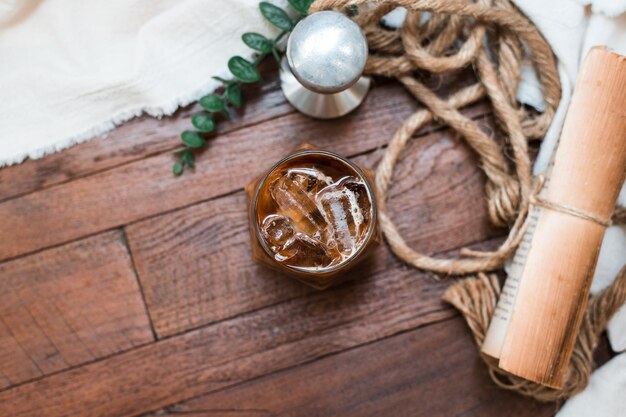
pixel 314 211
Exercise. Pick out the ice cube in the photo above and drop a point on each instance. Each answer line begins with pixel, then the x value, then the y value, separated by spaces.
pixel 304 251
pixel 357 186
pixel 347 208
pixel 310 180
pixel 277 230
pixel 294 202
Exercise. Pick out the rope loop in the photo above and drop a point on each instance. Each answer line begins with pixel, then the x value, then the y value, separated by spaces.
pixel 440 37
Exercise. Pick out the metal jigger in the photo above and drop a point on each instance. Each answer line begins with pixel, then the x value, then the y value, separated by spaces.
pixel 322 73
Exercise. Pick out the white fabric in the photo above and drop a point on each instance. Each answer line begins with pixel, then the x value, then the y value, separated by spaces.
pixel 70 70
pixel 605 396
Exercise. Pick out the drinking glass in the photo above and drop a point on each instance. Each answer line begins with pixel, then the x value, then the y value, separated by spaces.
pixel 313 216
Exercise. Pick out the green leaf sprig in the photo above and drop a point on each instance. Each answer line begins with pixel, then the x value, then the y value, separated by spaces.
pixel 244 72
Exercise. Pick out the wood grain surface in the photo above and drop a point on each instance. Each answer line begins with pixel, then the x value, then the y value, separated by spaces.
pixel 386 299
pixel 68 305
pixel 125 291
pixel 392 377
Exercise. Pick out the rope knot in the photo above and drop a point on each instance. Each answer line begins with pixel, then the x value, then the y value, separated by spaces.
pixel 538 201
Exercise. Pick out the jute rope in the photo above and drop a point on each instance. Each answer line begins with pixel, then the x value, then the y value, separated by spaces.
pixel 493 37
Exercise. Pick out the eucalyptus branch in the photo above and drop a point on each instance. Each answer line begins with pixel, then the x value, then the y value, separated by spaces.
pixel 244 72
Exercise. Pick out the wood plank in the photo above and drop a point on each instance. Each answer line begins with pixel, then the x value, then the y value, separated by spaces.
pixel 139 138
pixel 430 371
pixel 68 305
pixel 144 188
pixel 386 299
pixel 214 277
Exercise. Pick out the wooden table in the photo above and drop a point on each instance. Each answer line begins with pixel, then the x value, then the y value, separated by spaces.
pixel 125 291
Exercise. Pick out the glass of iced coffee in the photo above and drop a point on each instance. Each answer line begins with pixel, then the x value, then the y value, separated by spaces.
pixel 313 215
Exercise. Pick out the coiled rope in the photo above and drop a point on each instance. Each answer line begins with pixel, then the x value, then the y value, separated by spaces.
pixel 493 37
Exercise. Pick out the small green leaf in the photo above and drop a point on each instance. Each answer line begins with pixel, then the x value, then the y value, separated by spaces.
pixel 301 6
pixel 276 16
pixel 212 103
pixel 244 70
pixel 188 158
pixel 192 139
pixel 220 79
pixel 257 41
pixel 233 95
pixel 203 122
pixel 177 169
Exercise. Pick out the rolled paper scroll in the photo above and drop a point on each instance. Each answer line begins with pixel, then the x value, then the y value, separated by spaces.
pixel 542 304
